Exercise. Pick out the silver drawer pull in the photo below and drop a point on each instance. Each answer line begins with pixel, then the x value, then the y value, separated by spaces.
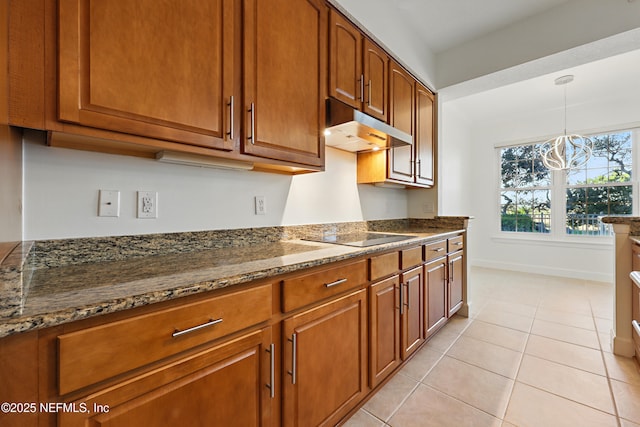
pixel 458 243
pixel 336 283
pixel 438 250
pixel 211 322
pixel 272 370
pixel 636 326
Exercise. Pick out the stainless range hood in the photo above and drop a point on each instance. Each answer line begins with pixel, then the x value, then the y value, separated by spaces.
pixel 351 130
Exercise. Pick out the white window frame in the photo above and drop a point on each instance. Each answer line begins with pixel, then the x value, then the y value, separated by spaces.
pixel 558 195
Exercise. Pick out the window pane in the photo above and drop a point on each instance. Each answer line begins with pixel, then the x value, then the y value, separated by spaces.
pixel 525 205
pixel 541 213
pixel 610 164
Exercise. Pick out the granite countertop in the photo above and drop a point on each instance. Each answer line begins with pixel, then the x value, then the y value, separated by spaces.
pixel 50 283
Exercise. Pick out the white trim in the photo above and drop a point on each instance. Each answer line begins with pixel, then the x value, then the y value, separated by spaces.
pixel 543 270
pixel 587 132
pixel 579 242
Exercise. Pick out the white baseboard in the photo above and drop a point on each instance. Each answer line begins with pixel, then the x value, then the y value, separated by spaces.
pixel 541 269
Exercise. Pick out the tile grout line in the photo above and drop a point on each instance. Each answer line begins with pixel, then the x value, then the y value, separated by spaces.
pixel 606 369
pixel 524 349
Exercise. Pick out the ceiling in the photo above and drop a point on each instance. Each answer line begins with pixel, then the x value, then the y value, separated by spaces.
pixel 460 21
pixel 504 94
pixel 596 83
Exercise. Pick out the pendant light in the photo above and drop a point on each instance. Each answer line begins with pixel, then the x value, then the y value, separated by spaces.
pixel 566 151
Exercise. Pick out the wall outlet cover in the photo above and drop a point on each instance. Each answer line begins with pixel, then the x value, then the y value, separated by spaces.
pixel 147 204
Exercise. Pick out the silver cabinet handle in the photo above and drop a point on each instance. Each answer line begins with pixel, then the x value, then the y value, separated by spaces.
pixel 294 357
pixel 231 117
pixel 635 325
pixel 272 370
pixel 452 271
pixel 336 283
pixel 401 299
pixel 211 322
pixel 361 87
pixel 408 296
pixel 252 110
pixel 438 250
pixel 458 243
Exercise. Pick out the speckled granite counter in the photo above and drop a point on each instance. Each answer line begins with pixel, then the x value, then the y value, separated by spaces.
pixel 53 282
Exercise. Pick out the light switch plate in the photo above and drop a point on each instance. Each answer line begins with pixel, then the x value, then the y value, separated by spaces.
pixel 109 203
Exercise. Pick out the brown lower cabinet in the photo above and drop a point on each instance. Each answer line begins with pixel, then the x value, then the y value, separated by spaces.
pixel 304 352
pixel 411 311
pixel 325 361
pixel 435 295
pixel 384 323
pixel 224 385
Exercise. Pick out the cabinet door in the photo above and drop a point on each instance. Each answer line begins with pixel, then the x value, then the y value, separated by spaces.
pixel 222 386
pixel 325 360
pixel 345 61
pixel 456 278
pixel 285 86
pixel 411 311
pixel 121 69
pixel 401 111
pixel 384 327
pixel 425 136
pixel 435 295
pixel 376 66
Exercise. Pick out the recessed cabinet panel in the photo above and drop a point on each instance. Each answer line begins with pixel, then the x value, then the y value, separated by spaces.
pixel 376 65
pixel 401 110
pixel 149 68
pixel 345 61
pixel 424 136
pixel 435 295
pixel 411 311
pixel 285 63
pixel 325 361
pixel 384 324
pixel 455 282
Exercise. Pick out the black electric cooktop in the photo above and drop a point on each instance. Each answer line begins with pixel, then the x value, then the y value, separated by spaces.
pixel 361 239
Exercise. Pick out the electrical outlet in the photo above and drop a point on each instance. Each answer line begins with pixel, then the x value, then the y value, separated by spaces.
pixel 147 204
pixel 109 203
pixel 261 205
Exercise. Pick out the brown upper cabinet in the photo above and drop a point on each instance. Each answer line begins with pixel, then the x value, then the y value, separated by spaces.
pixel 357 69
pixel 242 80
pixel 161 70
pixel 402 117
pixel 285 45
pixel 424 138
pixel 411 109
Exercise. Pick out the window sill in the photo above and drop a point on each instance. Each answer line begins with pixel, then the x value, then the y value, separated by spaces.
pixel 581 242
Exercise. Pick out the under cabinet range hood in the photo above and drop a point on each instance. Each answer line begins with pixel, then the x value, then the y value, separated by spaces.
pixel 351 130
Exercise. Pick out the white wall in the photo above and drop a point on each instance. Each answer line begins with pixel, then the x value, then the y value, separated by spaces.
pixel 472 142
pixel 61 194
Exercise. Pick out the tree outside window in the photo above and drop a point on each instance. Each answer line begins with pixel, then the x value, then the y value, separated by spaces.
pixel 601 187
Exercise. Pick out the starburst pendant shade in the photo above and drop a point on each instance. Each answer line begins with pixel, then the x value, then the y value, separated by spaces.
pixel 566 152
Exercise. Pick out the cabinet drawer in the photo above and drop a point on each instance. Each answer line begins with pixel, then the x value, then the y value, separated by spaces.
pixel 303 290
pixel 410 257
pixel 95 354
pixel 435 250
pixel 455 244
pixel 383 265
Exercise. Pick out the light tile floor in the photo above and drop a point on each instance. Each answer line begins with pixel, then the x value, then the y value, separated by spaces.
pixel 534 352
